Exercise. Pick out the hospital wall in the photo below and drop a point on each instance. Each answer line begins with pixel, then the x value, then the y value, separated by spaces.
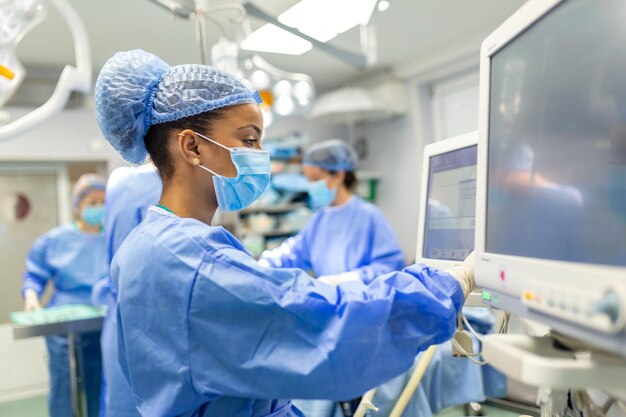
pixel 395 147
pixel 394 152
pixel 71 135
pixel 315 130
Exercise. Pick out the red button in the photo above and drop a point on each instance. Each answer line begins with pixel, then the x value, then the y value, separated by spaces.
pixel 502 275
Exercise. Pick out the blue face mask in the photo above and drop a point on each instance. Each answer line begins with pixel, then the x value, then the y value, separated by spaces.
pixel 320 194
pixel 253 177
pixel 93 215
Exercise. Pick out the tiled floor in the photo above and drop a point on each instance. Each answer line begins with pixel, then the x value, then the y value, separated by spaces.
pixel 37 407
pixel 31 407
pixel 489 411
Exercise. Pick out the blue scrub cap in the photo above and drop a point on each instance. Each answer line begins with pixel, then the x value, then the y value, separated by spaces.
pixel 332 155
pixel 85 184
pixel 136 90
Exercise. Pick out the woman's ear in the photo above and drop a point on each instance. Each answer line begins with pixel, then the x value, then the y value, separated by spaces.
pixel 338 179
pixel 188 146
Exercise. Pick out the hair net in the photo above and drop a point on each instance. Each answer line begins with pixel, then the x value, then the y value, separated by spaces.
pixel 136 90
pixel 85 184
pixel 332 155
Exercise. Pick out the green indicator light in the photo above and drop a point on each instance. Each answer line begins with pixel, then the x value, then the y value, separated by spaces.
pixel 494 300
pixel 486 296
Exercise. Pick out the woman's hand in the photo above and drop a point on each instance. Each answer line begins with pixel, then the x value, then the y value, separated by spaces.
pixel 31 301
pixel 339 278
pixel 464 274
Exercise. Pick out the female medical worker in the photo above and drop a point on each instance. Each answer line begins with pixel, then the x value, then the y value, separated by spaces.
pixel 348 239
pixel 72 256
pixel 203 329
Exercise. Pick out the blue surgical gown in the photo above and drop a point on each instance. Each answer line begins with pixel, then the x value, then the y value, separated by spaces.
pixel 73 261
pixel 203 330
pixel 346 238
pixel 129 193
pixel 352 237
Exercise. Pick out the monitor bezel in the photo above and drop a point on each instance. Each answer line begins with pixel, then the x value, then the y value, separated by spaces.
pixel 434 149
pixel 519 271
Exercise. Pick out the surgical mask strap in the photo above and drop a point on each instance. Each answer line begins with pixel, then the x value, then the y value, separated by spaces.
pixel 212 141
pixel 209 170
pixel 231 149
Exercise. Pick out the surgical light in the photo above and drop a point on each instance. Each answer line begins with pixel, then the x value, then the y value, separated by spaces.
pixel 16 19
pixel 268 117
pixel 383 5
pixel 284 105
pixel 325 19
pixel 282 88
pixel 270 38
pixel 260 80
pixel 302 90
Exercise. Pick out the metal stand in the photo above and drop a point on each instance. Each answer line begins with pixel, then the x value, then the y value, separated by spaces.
pixel 73 329
pixel 75 379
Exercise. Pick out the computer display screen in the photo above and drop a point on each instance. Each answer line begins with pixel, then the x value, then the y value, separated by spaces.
pixel 451 199
pixel 557 138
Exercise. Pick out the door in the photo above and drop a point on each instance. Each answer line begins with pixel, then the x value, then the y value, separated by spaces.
pixel 33 200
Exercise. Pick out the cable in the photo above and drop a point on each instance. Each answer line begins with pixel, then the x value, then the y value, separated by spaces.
pixel 593 409
pixel 504 323
pixel 471 329
pixel 470 356
pixel 621 405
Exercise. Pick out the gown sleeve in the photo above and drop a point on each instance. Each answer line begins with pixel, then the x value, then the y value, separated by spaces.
pixel 292 253
pixel 258 332
pixel 38 269
pixel 386 255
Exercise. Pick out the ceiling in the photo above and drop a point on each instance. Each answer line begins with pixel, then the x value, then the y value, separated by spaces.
pixel 407 30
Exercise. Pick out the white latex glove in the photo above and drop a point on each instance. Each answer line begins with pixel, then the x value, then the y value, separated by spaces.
pixel 464 274
pixel 31 300
pixel 339 278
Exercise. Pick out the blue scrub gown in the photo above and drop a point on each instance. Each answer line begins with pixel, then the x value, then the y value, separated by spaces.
pixel 357 237
pixel 129 193
pixel 352 237
pixel 73 261
pixel 203 330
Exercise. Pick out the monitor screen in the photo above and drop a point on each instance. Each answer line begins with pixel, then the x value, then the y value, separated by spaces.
pixel 557 138
pixel 451 205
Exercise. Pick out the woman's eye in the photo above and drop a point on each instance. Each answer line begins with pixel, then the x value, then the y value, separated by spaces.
pixel 250 142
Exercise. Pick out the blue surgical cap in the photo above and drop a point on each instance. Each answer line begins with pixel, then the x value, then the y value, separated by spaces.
pixel 136 90
pixel 86 184
pixel 332 155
